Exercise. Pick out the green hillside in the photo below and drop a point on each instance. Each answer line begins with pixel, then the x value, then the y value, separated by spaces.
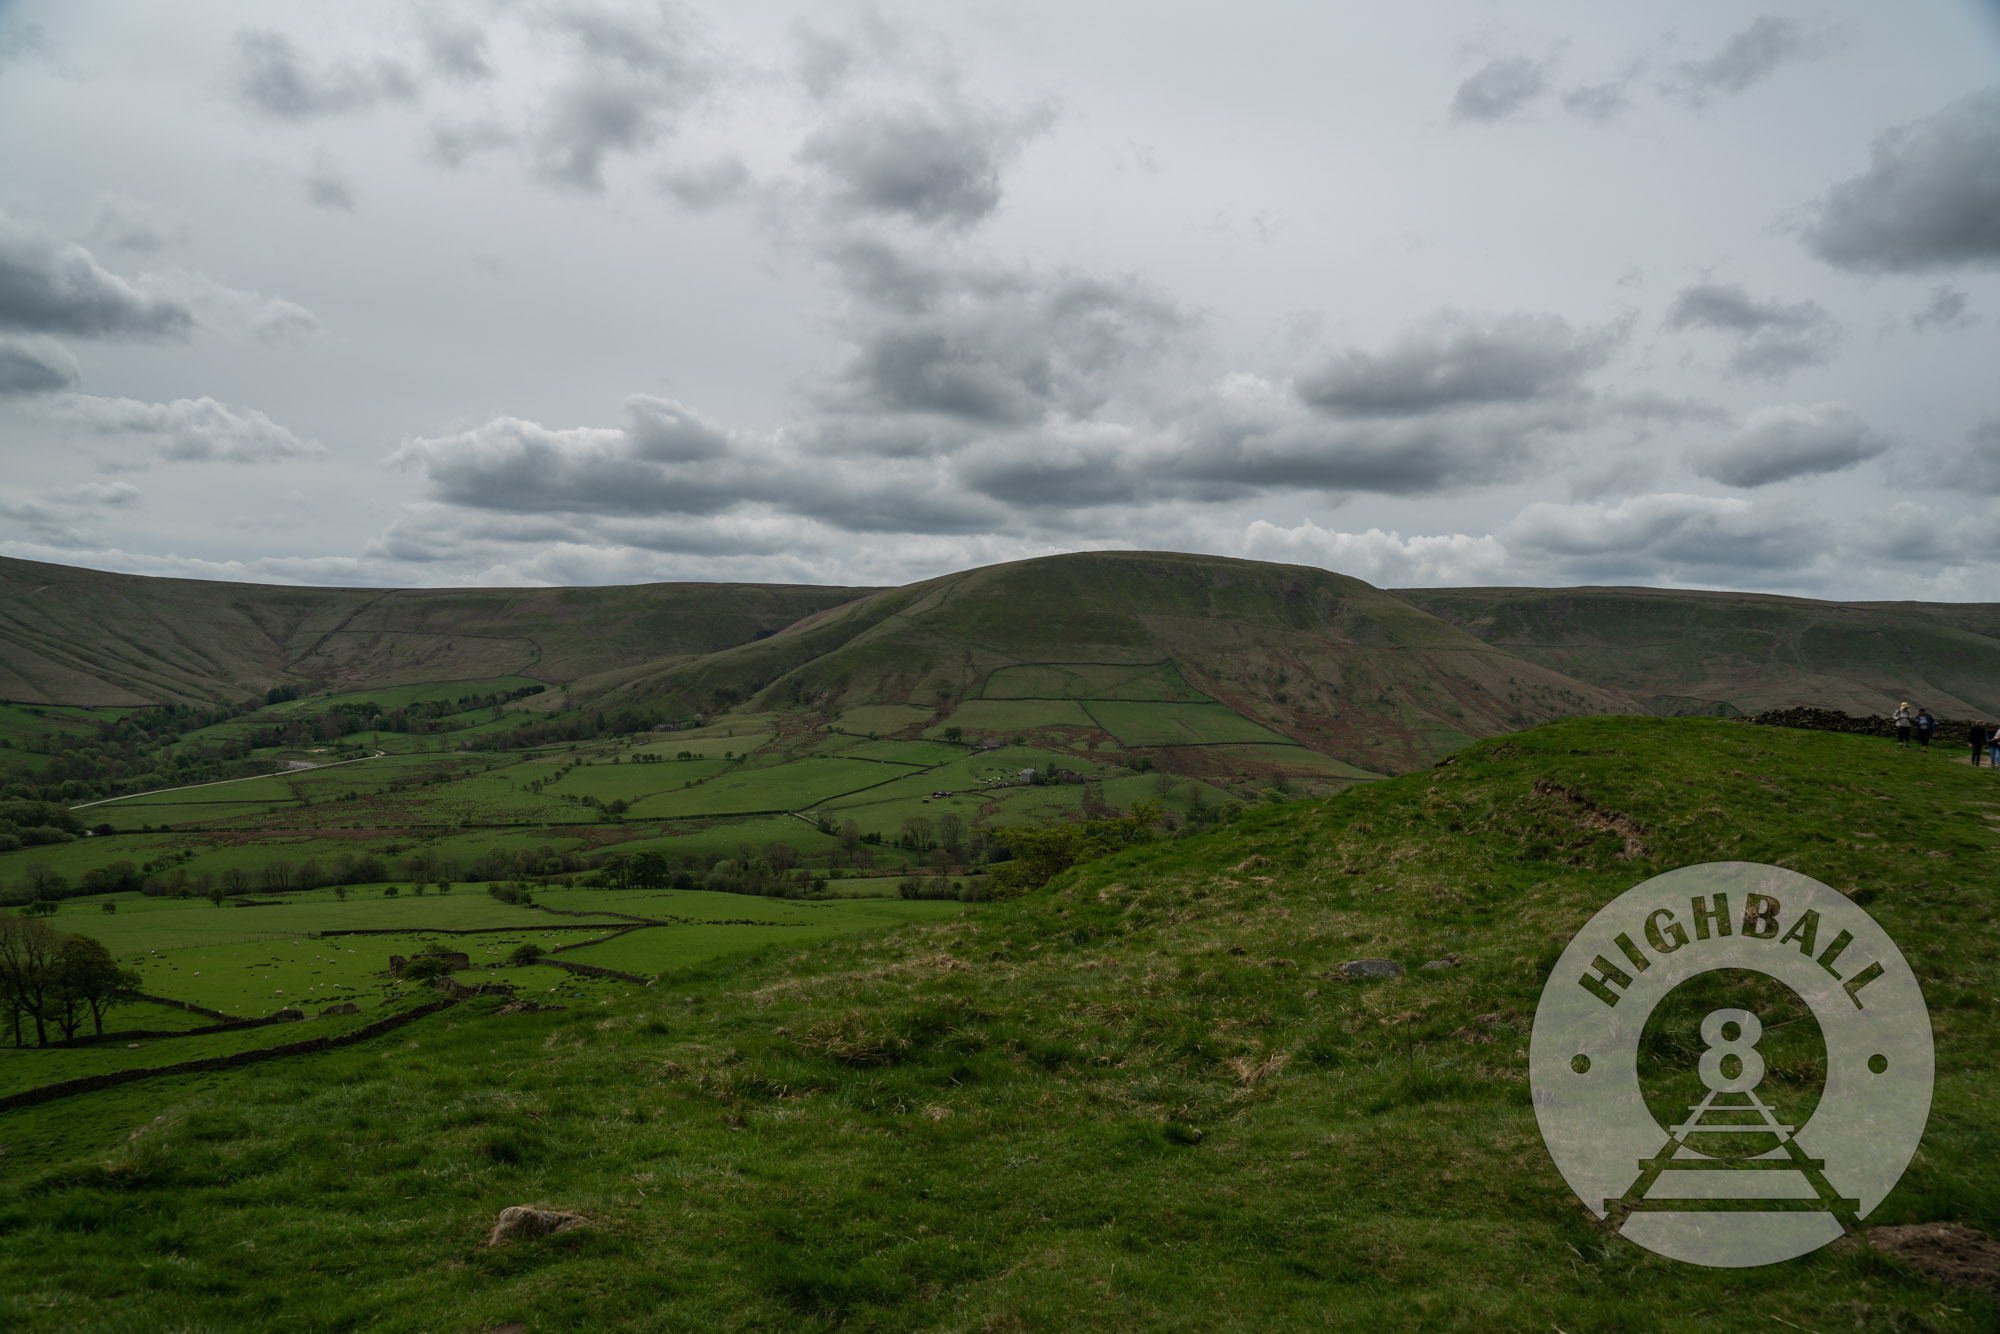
pixel 1682 652
pixel 1145 1097
pixel 74 636
pixel 1148 649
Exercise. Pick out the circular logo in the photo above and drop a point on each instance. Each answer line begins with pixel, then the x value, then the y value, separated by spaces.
pixel 1732 1063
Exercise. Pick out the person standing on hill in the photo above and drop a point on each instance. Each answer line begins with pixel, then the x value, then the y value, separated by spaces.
pixel 1976 734
pixel 1926 729
pixel 1903 720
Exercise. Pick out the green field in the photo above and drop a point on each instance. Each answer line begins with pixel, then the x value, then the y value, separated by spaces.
pixel 1016 715
pixel 881 718
pixel 796 786
pixel 1177 724
pixel 31 1067
pixel 657 950
pixel 926 753
pixel 1092 681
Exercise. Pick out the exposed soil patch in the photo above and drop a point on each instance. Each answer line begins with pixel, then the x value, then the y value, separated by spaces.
pixel 1961 1256
pixel 1587 814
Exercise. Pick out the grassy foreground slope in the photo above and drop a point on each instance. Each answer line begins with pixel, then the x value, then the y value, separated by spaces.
pixel 1683 652
pixel 75 636
pixel 1141 1098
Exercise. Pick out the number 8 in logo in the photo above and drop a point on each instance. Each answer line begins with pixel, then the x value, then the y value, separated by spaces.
pixel 1726 1046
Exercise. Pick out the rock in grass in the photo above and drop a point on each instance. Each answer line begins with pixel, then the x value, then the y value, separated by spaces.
pixel 1371 968
pixel 289 1013
pixel 345 1007
pixel 523 1222
pixel 1439 965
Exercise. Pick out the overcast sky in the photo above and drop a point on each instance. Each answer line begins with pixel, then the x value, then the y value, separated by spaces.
pixel 512 291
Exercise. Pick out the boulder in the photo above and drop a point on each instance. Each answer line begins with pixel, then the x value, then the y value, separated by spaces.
pixel 1438 965
pixel 289 1013
pixel 523 1222
pixel 528 1007
pixel 345 1007
pixel 1371 968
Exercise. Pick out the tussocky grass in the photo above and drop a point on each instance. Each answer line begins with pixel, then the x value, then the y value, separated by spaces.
pixel 1137 1099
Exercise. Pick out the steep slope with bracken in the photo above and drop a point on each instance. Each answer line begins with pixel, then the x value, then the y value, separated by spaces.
pixel 1684 652
pixel 74 636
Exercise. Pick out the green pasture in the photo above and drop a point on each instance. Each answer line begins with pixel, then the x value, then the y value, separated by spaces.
pixel 795 786
pixel 881 719
pixel 1291 759
pixel 1015 715
pixel 701 905
pixel 721 838
pixel 629 782
pixel 142 925
pixel 397 697
pixel 253 978
pixel 31 1067
pixel 658 949
pixel 202 814
pixel 1092 681
pixel 925 753
pixel 1177 724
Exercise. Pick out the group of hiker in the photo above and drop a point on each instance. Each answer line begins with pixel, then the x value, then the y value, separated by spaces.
pixel 1983 738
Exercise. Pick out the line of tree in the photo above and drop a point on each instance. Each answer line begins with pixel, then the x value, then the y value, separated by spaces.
pixel 134 751
pixel 52 980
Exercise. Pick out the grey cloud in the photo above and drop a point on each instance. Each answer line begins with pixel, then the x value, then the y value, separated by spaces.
pixel 630 76
pixel 31 366
pixel 46 287
pixel 130 225
pixel 98 495
pixel 1772 339
pixel 1499 88
pixel 1455 363
pixel 272 78
pixel 454 143
pixel 1599 102
pixel 190 430
pixel 825 61
pixel 277 321
pixel 665 431
pixel 669 462
pixel 1744 61
pixel 1929 199
pixel 1242 443
pixel 326 187
pixel 936 164
pixel 1947 309
pixel 710 185
pixel 1974 469
pixel 1778 444
pixel 991 348
pixel 1657 537
pixel 457 50
pixel 20 41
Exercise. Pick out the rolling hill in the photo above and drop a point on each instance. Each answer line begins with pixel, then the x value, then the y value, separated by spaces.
pixel 1201 664
pixel 1153 651
pixel 1680 652
pixel 74 636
